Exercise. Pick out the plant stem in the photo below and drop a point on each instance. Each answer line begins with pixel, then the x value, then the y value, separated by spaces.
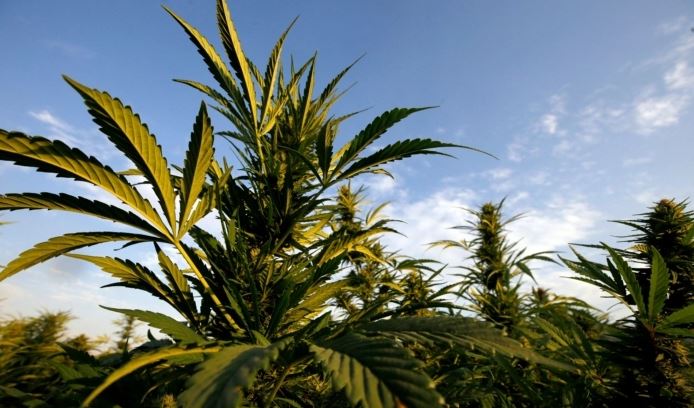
pixel 204 283
pixel 277 386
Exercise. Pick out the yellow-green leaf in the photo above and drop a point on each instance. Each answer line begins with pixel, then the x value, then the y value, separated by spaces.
pixel 659 285
pixel 143 361
pixel 237 58
pixel 63 244
pixel 56 157
pixel 197 163
pixel 80 205
pixel 132 137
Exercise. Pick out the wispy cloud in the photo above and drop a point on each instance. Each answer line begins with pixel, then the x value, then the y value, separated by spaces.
pixel 59 129
pixel 636 161
pixel 653 113
pixel 549 123
pixel 379 185
pixel 520 148
pixel 70 49
pixel 499 173
pixel 674 26
pixel 564 147
pixel 48 118
pixel 539 178
pixel 563 220
pixel 88 140
pixel 428 220
pixel 680 77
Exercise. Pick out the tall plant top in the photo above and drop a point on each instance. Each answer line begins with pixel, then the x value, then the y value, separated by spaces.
pixel 293 300
pixel 256 296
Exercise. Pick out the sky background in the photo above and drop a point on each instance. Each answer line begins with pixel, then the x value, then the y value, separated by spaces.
pixel 588 106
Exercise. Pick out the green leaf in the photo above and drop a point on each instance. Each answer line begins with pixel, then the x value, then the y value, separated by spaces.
pixel 81 205
pixel 214 63
pixel 629 279
pixel 313 302
pixel 221 379
pixel 197 162
pixel 682 316
pixel 324 147
pixel 676 332
pixel 268 87
pixel 131 275
pixel 132 137
pixel 169 326
pixel 376 372
pixel 58 158
pixel 209 91
pixel 63 244
pixel 143 361
pixel 594 274
pixel 237 58
pixel 659 285
pixel 179 283
pixel 373 131
pixel 458 330
pixel 396 151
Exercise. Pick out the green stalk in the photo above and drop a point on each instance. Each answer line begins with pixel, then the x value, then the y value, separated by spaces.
pixel 204 283
pixel 277 386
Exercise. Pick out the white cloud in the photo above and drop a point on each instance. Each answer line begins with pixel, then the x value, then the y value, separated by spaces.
pixel 11 291
pixel 46 117
pixel 564 147
pixel 211 224
pixel 646 197
pixel 520 196
pixel 557 103
pixel 679 77
pixel 682 49
pixel 519 148
pixel 88 140
pixel 549 123
pixel 379 184
pixel 59 129
pixel 514 152
pixel 552 227
pixel 658 112
pixel 539 178
pixel 636 161
pixel 429 220
pixel 71 50
pixel 673 26
pixel 499 173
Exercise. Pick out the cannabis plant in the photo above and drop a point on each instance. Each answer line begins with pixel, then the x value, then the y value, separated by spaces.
pixel 669 228
pixel 31 360
pixel 649 345
pixel 253 324
pixel 491 284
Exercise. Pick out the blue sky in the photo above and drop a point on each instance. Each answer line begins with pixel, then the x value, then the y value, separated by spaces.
pixel 588 106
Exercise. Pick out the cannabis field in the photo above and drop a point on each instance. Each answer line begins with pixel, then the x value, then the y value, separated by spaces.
pixel 294 300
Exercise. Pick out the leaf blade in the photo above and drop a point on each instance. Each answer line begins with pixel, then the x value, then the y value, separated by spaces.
pixel 220 380
pixel 167 325
pixel 140 362
pixel 376 372
pixel 126 131
pixel 81 205
pixel 57 158
pixel 63 244
pixel 197 162
pixel 658 290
